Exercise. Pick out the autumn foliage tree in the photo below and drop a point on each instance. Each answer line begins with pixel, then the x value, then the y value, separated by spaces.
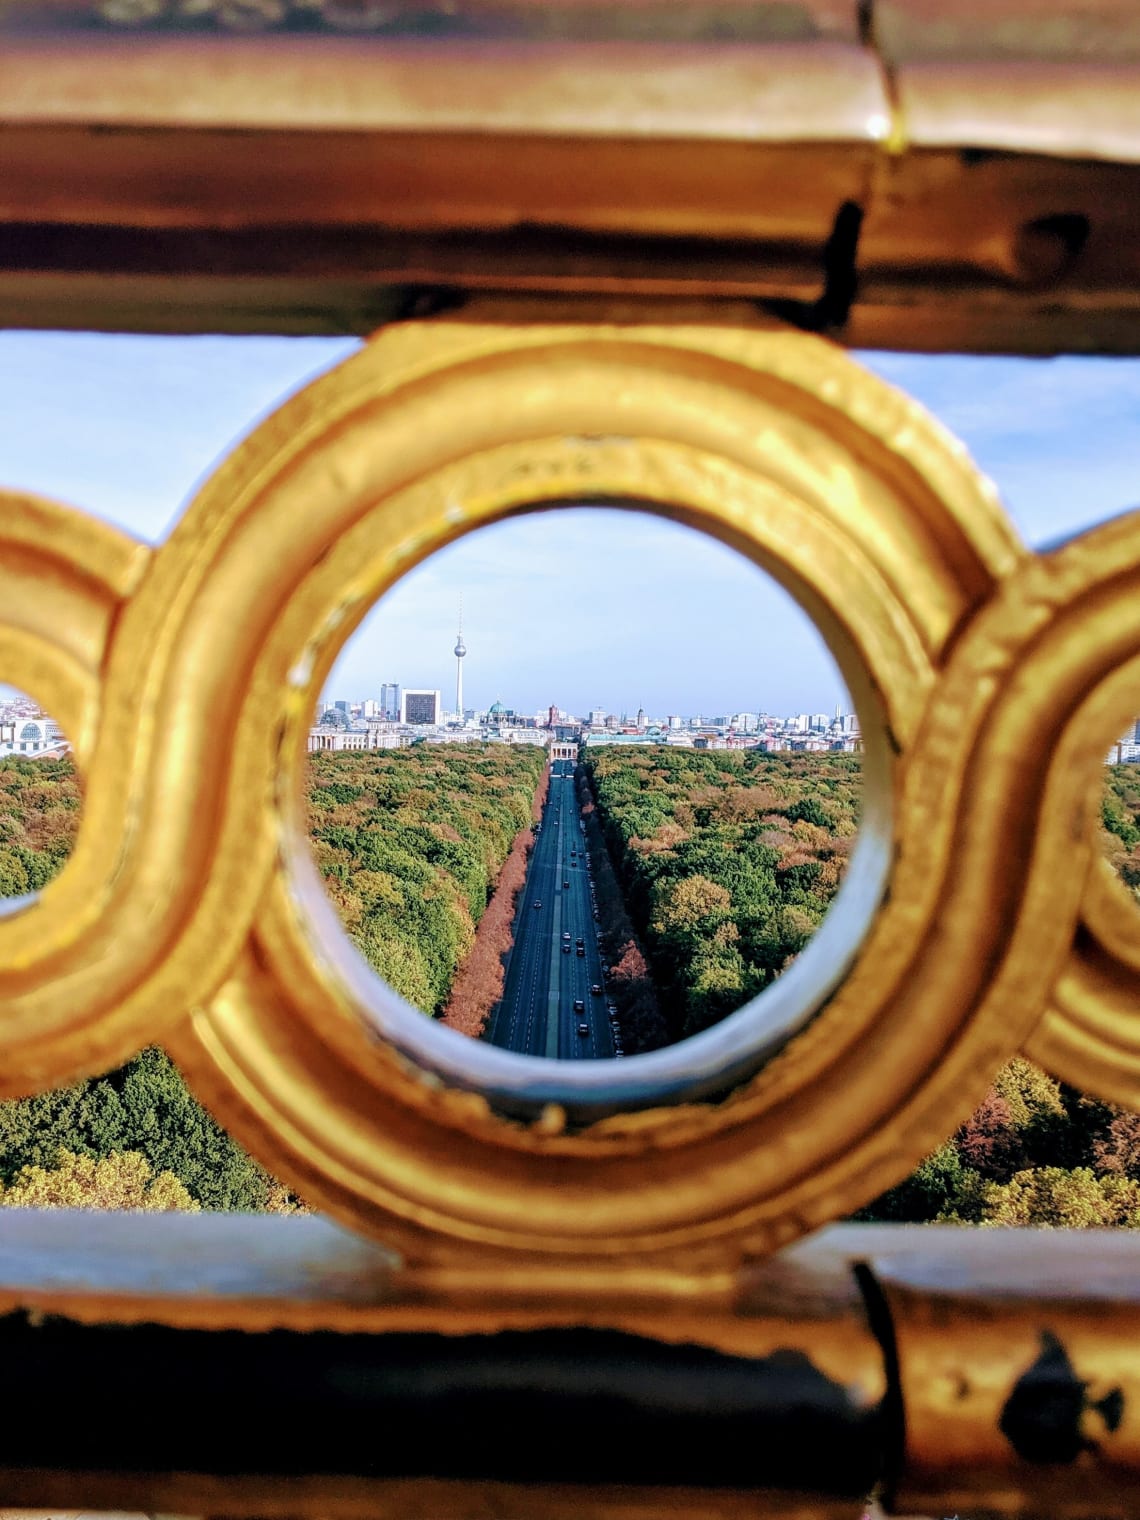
pixel 630 983
pixel 410 844
pixel 124 1180
pixel 1035 1152
pixel 728 861
pixel 479 980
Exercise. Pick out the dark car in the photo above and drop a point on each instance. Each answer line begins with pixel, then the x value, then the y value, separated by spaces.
pixel 565 881
pixel 580 942
pixel 581 952
pixel 538 904
pixel 565 949
pixel 595 990
pixel 579 1006
pixel 583 1029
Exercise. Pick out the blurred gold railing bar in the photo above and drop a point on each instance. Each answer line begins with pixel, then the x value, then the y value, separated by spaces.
pixel 987 1373
pixel 305 180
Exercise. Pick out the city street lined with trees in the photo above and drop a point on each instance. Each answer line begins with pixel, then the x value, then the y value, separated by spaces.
pixel 711 870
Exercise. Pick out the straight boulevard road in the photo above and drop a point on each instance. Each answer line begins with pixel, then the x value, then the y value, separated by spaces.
pixel 536 1015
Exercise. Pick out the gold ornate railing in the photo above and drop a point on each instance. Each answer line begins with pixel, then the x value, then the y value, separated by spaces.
pixel 664 218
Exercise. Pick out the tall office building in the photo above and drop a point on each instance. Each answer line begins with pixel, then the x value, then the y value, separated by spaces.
pixel 420 707
pixel 460 651
pixel 390 699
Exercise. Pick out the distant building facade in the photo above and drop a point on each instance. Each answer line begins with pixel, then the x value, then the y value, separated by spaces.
pixel 32 736
pixel 420 707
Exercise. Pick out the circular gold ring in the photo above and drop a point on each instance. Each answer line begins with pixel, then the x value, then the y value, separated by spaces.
pixel 783 448
pixel 1090 1032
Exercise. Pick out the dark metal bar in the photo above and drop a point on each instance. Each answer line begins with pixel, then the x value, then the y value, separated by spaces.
pixel 545 1406
pixel 997 1374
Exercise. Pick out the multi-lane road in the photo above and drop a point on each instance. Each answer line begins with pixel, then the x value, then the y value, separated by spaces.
pixel 555 960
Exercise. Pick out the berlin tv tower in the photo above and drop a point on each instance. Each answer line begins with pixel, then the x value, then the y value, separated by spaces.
pixel 460 651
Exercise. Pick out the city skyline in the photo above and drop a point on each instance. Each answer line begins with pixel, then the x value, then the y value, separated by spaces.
pixel 650 637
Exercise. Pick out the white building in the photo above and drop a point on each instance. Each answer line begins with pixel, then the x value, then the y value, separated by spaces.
pixel 38 736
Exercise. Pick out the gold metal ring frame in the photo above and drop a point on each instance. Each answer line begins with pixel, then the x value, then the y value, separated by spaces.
pixel 190 912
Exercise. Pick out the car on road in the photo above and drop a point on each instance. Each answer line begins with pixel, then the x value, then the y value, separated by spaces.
pixel 579 1006
pixel 566 934
pixel 565 881
pixel 582 951
pixel 580 942
pixel 595 990
pixel 565 949
pixel 538 904
pixel 583 1029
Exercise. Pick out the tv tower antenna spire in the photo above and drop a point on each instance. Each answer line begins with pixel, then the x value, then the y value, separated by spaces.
pixel 460 651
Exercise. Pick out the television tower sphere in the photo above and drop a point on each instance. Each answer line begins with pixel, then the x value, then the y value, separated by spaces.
pixel 460 648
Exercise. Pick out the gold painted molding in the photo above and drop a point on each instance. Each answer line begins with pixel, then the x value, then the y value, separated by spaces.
pixel 989 682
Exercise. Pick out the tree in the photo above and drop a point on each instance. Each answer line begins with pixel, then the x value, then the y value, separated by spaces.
pixel 1029 1093
pixel 941 1188
pixel 13 875
pixel 990 1142
pixel 124 1180
pixel 1118 1149
pixel 1059 1198
pixel 692 905
pixel 144 1106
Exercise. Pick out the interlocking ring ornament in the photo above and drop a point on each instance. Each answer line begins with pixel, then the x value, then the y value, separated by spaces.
pixel 1090 1034
pixel 191 913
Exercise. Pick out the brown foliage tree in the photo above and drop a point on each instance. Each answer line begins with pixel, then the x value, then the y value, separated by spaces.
pixel 478 983
pixel 1118 1150
pixel 989 1142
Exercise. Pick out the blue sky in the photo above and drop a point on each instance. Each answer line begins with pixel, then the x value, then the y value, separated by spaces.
pixel 635 611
